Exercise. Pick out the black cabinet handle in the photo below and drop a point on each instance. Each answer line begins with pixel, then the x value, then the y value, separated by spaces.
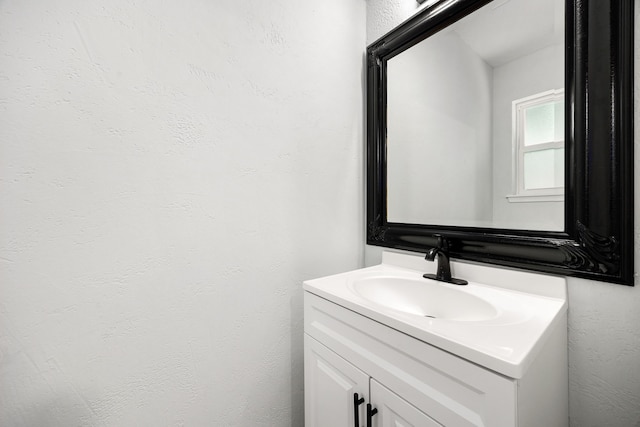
pixel 371 411
pixel 356 412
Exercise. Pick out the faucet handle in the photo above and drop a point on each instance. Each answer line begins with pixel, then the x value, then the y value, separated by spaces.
pixel 441 242
pixel 440 254
pixel 441 248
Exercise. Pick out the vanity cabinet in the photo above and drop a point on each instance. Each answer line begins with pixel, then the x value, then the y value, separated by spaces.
pixel 409 382
pixel 337 393
pixel 330 386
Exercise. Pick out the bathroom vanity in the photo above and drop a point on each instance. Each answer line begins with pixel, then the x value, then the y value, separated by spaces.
pixel 386 347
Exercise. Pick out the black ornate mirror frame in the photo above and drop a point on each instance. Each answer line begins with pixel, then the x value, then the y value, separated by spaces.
pixel 598 239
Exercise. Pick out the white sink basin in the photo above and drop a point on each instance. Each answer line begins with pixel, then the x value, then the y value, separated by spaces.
pixel 424 297
pixel 500 320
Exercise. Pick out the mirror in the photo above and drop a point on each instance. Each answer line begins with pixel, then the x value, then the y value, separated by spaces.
pixel 475 108
pixel 506 126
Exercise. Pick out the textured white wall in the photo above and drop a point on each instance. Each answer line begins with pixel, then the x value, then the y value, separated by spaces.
pixel 169 173
pixel 383 15
pixel 604 319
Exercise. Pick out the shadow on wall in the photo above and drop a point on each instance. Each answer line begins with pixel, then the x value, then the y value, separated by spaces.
pixel 297 359
pixel 61 410
pixel 272 401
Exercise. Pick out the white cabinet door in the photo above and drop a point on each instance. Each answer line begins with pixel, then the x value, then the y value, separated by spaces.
pixel 393 411
pixel 330 383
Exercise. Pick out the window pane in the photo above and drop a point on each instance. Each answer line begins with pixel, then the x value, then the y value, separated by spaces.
pixel 544 123
pixel 544 169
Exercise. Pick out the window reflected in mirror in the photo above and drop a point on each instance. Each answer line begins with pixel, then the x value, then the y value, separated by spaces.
pixel 538 148
pixel 458 151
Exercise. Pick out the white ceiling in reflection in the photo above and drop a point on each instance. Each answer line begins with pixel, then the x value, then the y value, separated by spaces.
pixel 505 30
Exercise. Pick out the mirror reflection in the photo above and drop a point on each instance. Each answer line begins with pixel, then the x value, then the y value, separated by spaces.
pixel 475 121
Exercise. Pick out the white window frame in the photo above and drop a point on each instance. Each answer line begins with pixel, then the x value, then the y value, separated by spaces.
pixel 519 193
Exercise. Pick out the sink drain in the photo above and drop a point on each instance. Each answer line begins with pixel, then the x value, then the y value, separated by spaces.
pixel 429 316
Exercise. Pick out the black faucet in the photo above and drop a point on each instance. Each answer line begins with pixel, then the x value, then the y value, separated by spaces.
pixel 441 252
